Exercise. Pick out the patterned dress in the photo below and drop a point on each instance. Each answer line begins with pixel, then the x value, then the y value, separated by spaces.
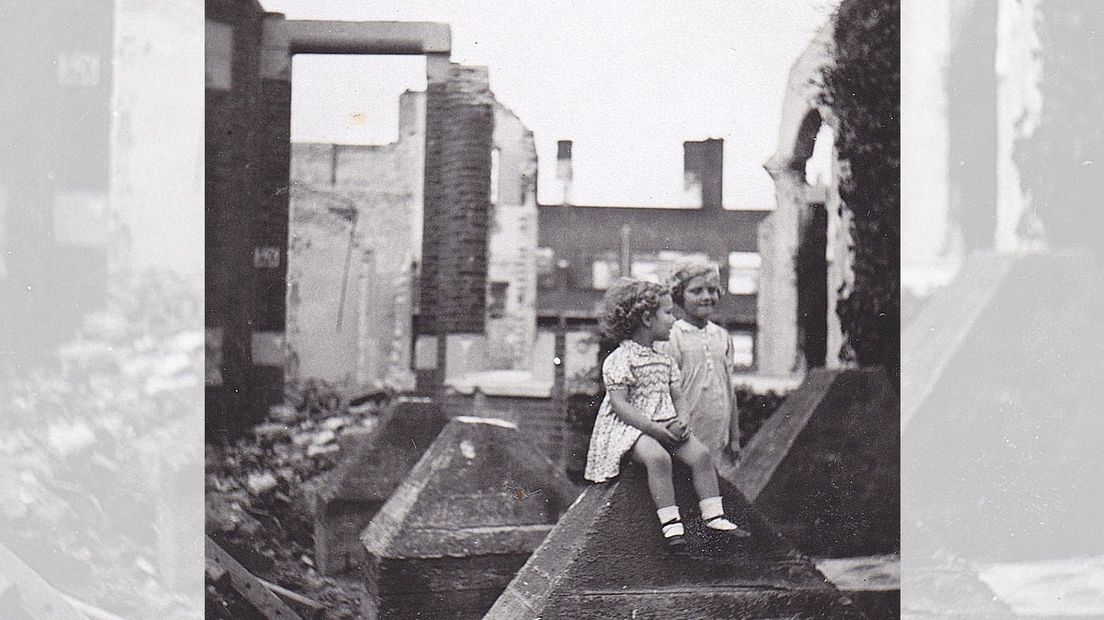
pixel 647 375
pixel 706 359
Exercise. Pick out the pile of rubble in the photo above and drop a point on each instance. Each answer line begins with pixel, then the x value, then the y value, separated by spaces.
pixel 92 433
pixel 255 505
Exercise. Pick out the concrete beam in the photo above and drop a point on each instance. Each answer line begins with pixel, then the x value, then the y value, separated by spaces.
pixel 396 38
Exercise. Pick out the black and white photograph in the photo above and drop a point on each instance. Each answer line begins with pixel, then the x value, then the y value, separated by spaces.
pixel 550 309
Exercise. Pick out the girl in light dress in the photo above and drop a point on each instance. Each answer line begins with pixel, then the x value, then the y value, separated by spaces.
pixel 705 356
pixel 642 415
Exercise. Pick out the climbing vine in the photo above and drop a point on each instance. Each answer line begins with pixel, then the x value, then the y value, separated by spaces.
pixel 863 89
pixel 1060 162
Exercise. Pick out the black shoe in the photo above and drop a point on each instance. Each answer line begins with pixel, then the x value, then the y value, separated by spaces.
pixel 676 543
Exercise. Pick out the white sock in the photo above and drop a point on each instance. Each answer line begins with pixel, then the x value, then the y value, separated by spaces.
pixel 711 508
pixel 668 513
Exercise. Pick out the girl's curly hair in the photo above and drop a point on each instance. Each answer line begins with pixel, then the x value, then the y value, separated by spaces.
pixel 625 305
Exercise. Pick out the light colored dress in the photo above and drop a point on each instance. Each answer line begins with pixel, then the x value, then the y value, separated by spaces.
pixel 706 358
pixel 647 375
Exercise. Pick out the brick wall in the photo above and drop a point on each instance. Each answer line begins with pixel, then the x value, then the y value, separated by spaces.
pixel 366 339
pixel 539 419
pixel 459 125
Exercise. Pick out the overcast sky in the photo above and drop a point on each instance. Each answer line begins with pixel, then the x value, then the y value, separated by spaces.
pixel 627 81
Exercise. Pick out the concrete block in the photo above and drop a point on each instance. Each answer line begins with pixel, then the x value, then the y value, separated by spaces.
pixel 1001 449
pixel 824 469
pixel 462 523
pixel 343 501
pixel 949 591
pixel 606 559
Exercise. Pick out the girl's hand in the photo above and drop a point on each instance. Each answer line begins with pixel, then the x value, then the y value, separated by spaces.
pixel 679 428
pixel 666 436
pixel 732 450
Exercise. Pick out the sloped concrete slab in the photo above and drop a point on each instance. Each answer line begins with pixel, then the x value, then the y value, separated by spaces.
pixel 1001 454
pixel 606 559
pixel 824 470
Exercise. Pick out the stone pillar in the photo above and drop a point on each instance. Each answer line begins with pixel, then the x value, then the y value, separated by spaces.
pixel 777 343
pixel 462 523
pixel 459 140
pixel 269 222
pixel 459 124
pixel 374 463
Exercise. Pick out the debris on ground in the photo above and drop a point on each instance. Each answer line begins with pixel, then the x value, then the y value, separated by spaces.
pixel 92 432
pixel 256 507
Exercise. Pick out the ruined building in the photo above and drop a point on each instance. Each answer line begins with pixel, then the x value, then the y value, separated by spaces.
pixel 804 241
pixel 82 199
pixel 248 154
pixel 356 247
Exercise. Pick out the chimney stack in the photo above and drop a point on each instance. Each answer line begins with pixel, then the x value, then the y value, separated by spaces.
pixel 563 168
pixel 703 169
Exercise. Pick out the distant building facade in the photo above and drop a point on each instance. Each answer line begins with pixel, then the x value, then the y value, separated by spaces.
pixel 584 249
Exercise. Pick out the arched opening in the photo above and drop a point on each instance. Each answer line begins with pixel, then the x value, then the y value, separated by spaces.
pixel 813 157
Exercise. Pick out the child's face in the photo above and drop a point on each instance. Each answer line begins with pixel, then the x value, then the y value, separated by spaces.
pixel 701 295
pixel 664 319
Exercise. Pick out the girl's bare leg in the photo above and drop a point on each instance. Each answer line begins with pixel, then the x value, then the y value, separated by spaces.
pixel 655 458
pixel 696 456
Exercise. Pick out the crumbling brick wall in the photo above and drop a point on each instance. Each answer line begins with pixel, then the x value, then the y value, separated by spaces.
pixel 459 126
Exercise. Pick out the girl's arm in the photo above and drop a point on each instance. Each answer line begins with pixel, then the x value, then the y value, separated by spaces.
pixel 733 446
pixel 635 418
pixel 679 401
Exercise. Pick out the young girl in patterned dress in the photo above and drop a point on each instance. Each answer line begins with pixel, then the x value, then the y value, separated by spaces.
pixel 641 413
pixel 705 356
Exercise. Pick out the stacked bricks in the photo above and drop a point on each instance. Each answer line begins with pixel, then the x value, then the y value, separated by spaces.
pixel 459 127
pixel 462 523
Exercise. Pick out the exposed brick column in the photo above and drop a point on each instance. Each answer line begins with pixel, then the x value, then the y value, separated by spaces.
pixel 459 127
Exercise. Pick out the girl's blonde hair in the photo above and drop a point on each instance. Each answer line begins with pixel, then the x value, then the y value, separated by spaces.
pixel 626 304
pixel 688 272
